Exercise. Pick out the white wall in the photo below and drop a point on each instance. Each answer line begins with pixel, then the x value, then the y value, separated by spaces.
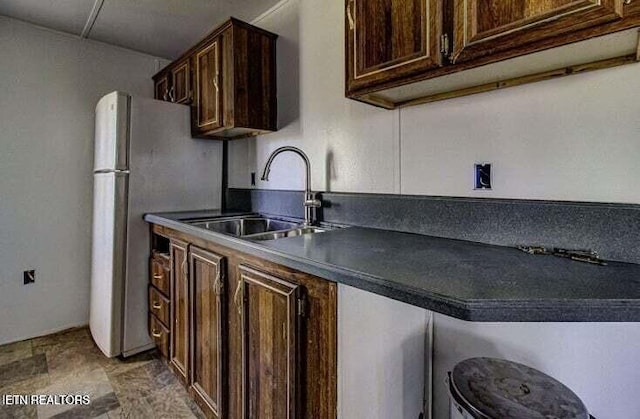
pixel 381 362
pixel 574 138
pixel 50 84
pixel 353 147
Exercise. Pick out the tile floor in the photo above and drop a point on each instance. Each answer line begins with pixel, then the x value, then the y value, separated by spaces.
pixel 70 363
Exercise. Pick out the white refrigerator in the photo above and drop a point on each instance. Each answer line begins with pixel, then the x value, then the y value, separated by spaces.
pixel 145 161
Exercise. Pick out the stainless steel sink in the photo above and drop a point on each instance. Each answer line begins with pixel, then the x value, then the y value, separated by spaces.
pixel 256 227
pixel 286 233
pixel 244 226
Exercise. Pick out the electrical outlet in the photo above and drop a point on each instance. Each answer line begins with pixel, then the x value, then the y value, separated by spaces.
pixel 29 277
pixel 482 176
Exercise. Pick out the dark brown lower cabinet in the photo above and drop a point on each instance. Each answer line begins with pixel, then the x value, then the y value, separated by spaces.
pixel 159 301
pixel 270 344
pixel 207 325
pixel 250 338
pixel 160 335
pixel 179 351
pixel 159 273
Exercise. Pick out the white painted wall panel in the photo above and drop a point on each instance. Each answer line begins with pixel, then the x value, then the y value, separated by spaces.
pixel 352 146
pixel 575 138
pixel 50 85
pixel 381 356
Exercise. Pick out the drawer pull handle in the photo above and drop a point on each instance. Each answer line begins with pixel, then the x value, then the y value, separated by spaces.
pixel 157 276
pixel 156 334
pixel 156 306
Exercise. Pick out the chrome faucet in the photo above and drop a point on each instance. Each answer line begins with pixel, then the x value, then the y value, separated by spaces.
pixel 310 201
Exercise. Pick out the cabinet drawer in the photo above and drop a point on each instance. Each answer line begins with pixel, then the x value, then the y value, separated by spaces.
pixel 159 306
pixel 160 334
pixel 160 274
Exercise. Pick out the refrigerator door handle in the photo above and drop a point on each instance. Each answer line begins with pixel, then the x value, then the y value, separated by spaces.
pixel 116 171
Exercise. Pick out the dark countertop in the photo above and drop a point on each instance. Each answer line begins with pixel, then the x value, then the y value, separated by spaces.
pixel 466 280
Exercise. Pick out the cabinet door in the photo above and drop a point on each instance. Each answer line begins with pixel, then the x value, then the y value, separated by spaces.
pixel 162 88
pixel 179 353
pixel 270 347
pixel 181 86
pixel 487 26
pixel 207 285
pixel 389 39
pixel 208 86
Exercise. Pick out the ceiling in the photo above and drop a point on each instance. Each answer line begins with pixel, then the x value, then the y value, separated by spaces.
pixel 164 28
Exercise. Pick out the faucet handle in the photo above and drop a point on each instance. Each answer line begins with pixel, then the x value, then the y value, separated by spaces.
pixel 313 203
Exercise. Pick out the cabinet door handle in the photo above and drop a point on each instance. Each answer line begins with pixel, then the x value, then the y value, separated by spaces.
pixel 171 98
pixel 352 24
pixel 157 276
pixel 156 305
pixel 217 285
pixel 156 334
pixel 215 80
pixel 236 300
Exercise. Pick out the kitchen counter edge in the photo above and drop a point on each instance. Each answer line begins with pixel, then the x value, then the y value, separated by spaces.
pixel 477 310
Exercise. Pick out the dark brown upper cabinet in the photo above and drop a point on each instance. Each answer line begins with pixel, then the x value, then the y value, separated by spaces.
pixel 161 86
pixel 181 82
pixel 228 79
pixel 486 26
pixel 407 52
pixel 389 39
pixel 208 86
pixel 173 83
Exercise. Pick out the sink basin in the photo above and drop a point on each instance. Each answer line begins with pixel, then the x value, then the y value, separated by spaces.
pixel 286 233
pixel 244 226
pixel 255 227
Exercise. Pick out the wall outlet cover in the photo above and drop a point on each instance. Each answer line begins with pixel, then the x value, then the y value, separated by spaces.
pixel 29 276
pixel 482 175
